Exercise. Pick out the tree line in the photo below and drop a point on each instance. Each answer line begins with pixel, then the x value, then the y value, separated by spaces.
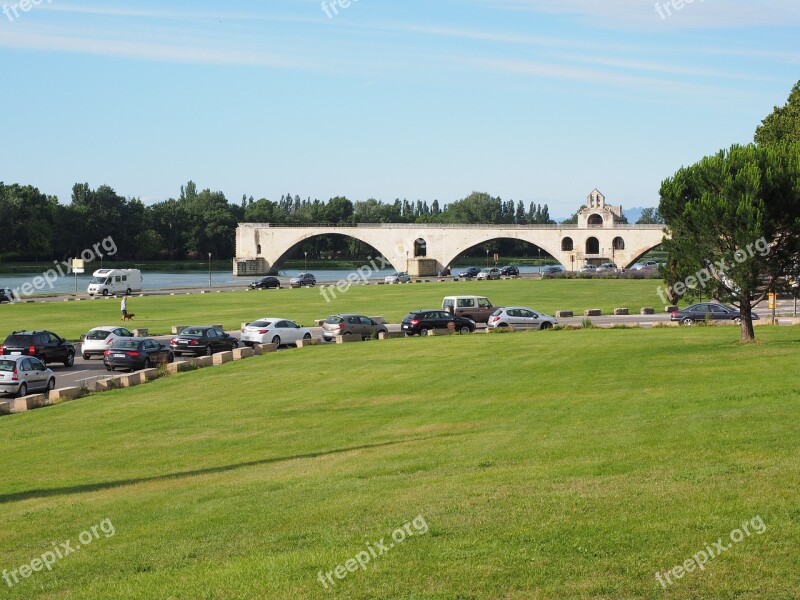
pixel 198 222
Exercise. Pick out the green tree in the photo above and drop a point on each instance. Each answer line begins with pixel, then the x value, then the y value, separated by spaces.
pixel 734 219
pixel 650 216
pixel 783 124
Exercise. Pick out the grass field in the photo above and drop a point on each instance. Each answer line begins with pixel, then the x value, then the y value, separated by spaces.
pixel 544 465
pixel 159 313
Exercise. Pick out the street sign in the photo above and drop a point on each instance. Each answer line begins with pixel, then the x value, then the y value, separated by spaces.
pixel 77 265
pixel 771 301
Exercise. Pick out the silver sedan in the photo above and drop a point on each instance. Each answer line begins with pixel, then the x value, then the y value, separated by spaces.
pixel 520 317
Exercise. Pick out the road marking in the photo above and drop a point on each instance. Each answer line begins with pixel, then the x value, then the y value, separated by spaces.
pixel 78 372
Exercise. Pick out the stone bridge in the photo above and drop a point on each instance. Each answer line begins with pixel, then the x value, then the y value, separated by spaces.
pixel 425 249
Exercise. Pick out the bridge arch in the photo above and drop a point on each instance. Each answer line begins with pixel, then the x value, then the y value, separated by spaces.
pixel 480 240
pixel 276 257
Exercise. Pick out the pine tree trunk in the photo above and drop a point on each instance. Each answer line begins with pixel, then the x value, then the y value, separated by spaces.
pixel 747 335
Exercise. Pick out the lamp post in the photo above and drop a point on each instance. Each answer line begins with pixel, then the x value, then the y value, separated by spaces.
pixel 305 267
pixel 209 269
pixel 487 257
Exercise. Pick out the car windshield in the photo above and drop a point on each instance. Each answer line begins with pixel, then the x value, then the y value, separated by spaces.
pixel 7 365
pixel 334 320
pixel 98 334
pixel 260 324
pixel 126 343
pixel 193 331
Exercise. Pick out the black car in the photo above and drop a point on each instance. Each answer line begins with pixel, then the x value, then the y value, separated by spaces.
pixel 420 322
pixel 44 345
pixel 202 340
pixel 265 283
pixel 470 272
pixel 510 271
pixel 552 270
pixel 707 310
pixel 6 295
pixel 136 354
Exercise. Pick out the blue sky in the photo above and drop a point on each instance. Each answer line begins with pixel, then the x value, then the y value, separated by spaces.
pixel 533 100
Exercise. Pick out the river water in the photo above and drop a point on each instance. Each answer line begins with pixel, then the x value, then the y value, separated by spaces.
pixel 154 280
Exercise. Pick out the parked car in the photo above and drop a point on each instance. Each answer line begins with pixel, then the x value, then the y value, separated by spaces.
pixel 22 374
pixel 608 267
pixel 470 272
pixel 44 345
pixel 707 310
pixel 476 308
pixel 444 272
pixel 420 322
pixel 265 283
pixel 401 277
pixel 99 339
pixel 552 270
pixel 588 269
pixel 204 339
pixel 7 295
pixel 272 330
pixel 509 271
pixel 649 264
pixel 350 324
pixel 520 317
pixel 303 279
pixel 489 273
pixel 136 353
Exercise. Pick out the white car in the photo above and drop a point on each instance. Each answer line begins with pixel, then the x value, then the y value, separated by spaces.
pixel 401 277
pixel 520 317
pixel 607 267
pixel 272 330
pixel 99 339
pixel 489 273
pixel 642 266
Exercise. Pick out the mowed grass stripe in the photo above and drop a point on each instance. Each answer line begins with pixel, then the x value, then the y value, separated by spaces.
pixel 555 464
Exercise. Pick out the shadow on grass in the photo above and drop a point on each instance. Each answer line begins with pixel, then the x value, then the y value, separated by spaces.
pixel 94 487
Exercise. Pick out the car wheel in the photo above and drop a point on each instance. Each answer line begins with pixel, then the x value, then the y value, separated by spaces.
pixel 276 340
pixel 128 292
pixel 465 329
pixel 209 351
pixel 235 344
pixel 70 359
pixel 687 321
pixel 147 363
pixel 249 344
pixel 85 356
pixel 307 336
pixel 51 384
pixel 738 320
pixel 105 292
pixel 42 358
pixel 546 325
pixel 109 368
pixel 23 390
pixel 502 324
pixel 423 332
pixel 170 358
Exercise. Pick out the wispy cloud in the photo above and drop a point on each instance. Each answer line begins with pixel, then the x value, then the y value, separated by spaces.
pixel 710 14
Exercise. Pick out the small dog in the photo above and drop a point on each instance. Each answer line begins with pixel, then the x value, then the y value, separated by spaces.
pixel 128 317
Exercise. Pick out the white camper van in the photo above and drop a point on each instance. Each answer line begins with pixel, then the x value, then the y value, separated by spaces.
pixel 115 281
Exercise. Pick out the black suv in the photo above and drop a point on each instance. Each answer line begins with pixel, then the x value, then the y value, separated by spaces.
pixel 420 322
pixel 44 345
pixel 6 295
pixel 510 270
pixel 470 272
